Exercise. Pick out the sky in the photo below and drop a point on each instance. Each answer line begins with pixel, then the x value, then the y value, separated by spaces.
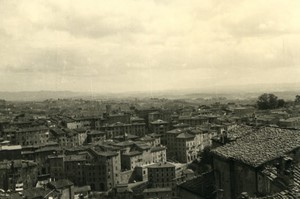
pixel 142 45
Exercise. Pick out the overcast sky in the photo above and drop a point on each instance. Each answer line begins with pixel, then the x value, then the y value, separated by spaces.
pixel 140 45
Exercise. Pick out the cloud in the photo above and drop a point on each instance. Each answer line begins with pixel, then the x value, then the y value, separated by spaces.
pixel 256 18
pixel 140 45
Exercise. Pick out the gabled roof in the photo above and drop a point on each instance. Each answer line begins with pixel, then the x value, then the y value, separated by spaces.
pixel 185 135
pixel 159 122
pixel 175 131
pixel 260 146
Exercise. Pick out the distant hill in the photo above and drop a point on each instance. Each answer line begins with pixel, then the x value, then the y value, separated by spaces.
pixel 286 91
pixel 37 95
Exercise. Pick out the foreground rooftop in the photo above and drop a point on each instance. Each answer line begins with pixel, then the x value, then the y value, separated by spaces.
pixel 261 146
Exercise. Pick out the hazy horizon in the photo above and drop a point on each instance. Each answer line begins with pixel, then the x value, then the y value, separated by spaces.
pixel 148 45
pixel 251 88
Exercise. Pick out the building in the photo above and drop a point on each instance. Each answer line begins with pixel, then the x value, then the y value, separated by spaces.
pixel 64 187
pixel 39 154
pixel 67 137
pixel 200 187
pixel 82 192
pixel 150 139
pixel 159 193
pixel 160 127
pixel 142 154
pixel 95 136
pixel 10 152
pixel 161 181
pixel 144 113
pixel 161 175
pixel 121 191
pixel 114 118
pixel 293 123
pixel 18 174
pixel 240 166
pixel 120 129
pixel 184 145
pixel 39 192
pixel 56 166
pixel 193 120
pixel 99 169
pixel 27 136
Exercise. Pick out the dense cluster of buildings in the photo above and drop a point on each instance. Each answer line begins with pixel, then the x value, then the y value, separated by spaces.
pixel 222 151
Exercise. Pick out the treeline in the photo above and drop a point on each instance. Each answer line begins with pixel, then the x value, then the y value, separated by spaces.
pixel 271 101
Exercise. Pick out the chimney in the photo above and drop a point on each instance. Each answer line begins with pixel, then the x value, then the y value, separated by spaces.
pixel 224 137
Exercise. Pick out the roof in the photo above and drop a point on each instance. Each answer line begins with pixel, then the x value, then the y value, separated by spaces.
pixel 272 174
pixel 155 135
pixel 159 122
pixel 59 184
pixel 142 145
pixel 154 113
pixel 261 146
pixel 188 171
pixel 47 149
pixel 10 196
pixel 130 136
pixel 239 131
pixel 12 147
pixel 132 153
pixel 197 117
pixel 185 135
pixel 146 139
pixel 161 165
pixel 136 119
pixel 118 124
pixel 104 153
pixel 157 148
pixel 38 193
pixel 71 158
pixel 125 143
pixel 156 190
pixel 201 185
pixel 286 194
pixel 27 129
pixel 17 164
pixel 175 131
pixel 85 188
pixel 96 132
pixel 181 125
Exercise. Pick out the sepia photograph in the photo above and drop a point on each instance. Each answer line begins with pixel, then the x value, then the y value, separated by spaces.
pixel 149 99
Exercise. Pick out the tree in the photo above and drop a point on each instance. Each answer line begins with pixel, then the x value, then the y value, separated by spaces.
pixel 280 103
pixel 297 99
pixel 270 101
pixel 267 101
